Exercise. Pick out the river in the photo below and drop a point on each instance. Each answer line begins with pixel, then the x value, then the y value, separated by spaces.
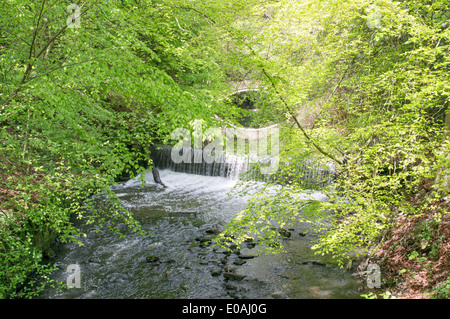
pixel 171 261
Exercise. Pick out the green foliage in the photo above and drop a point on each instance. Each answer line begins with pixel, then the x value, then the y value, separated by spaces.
pixel 22 275
pixel 376 95
pixel 79 108
pixel 384 295
pixel 362 80
pixel 442 291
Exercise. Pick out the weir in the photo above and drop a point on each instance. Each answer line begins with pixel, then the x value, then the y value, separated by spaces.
pixel 232 166
pixel 228 166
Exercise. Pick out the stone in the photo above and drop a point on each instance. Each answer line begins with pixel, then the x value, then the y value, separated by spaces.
pixel 277 295
pixel 206 240
pixel 216 272
pixel 230 286
pixel 284 232
pixel 247 256
pixel 239 262
pixel 233 276
pixel 152 259
pixel 218 250
pixel 213 231
pixel 302 234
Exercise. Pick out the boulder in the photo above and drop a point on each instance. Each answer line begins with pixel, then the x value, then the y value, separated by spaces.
pixel 216 272
pixel 233 276
pixel 284 232
pixel 152 259
pixel 239 262
pixel 214 231
pixel 277 295
pixel 206 240
pixel 247 256
pixel 230 286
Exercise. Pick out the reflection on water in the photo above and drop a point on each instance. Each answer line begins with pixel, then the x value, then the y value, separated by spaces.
pixel 173 262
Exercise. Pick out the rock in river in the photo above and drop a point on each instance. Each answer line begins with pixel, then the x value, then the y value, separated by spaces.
pixel 233 276
pixel 214 231
pixel 216 272
pixel 152 259
pixel 247 256
pixel 239 262
pixel 284 232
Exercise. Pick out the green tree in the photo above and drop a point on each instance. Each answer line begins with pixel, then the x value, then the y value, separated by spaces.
pixel 86 88
pixel 373 79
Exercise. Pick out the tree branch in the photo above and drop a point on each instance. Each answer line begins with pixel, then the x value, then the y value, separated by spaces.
pixel 292 114
pixel 59 67
pixel 38 55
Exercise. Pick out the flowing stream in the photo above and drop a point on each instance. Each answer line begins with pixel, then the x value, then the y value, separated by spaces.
pixel 174 262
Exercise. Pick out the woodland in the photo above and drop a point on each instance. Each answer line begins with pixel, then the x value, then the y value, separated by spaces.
pixel 87 87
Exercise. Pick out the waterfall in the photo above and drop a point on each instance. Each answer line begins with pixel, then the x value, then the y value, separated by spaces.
pixel 311 173
pixel 224 165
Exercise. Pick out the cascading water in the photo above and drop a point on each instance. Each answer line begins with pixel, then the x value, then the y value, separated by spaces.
pixel 232 165
pixel 225 165
pixel 175 259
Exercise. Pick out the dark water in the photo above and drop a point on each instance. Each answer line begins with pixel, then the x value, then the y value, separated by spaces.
pixel 190 207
